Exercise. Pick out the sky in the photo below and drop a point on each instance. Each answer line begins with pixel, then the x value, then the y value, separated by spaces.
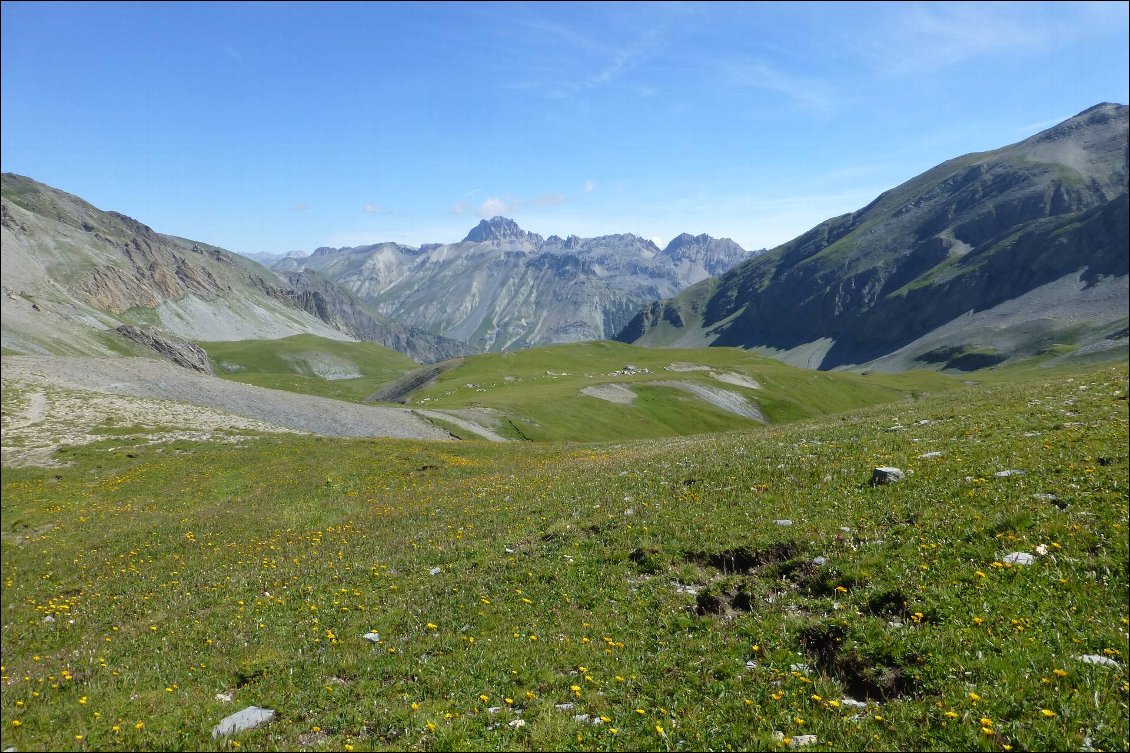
pixel 272 127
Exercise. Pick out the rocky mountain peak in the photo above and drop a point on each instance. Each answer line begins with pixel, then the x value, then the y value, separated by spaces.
pixel 500 229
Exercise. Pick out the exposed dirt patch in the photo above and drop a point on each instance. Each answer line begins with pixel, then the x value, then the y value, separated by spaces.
pixel 685 366
pixel 738 380
pixel 743 559
pixel 726 400
pixel 613 393
pixel 872 676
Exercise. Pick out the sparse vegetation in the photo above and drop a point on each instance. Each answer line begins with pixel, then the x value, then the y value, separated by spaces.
pixel 652 584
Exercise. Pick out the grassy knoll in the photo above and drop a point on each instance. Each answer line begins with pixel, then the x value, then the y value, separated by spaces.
pixel 646 583
pixel 541 388
pixel 309 364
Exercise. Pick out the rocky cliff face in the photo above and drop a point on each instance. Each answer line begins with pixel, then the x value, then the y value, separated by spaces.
pixel 335 305
pixel 966 236
pixel 78 280
pixel 504 288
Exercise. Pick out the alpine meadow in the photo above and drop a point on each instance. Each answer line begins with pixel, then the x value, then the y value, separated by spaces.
pixel 565 377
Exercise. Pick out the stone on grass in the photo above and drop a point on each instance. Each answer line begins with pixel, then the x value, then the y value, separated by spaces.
pixel 783 522
pixel 516 723
pixel 852 703
pixel 227 696
pixel 374 637
pixel 435 571
pixel 248 718
pixel 928 455
pixel 563 706
pixel 1008 472
pixel 885 475
pixel 1103 661
pixel 1019 558
pixel 820 561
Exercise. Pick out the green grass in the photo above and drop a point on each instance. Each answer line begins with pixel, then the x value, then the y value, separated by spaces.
pixel 301 363
pixel 192 569
pixel 544 387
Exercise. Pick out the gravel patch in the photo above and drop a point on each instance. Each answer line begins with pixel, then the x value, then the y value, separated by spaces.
pixel 160 380
pixel 613 393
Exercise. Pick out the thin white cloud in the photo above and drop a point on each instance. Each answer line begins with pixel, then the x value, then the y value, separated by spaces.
pixel 371 208
pixel 927 37
pixel 301 206
pixel 590 186
pixel 751 73
pixel 458 207
pixel 493 207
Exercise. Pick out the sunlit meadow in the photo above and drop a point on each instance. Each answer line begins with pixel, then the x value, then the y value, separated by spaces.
pixel 729 591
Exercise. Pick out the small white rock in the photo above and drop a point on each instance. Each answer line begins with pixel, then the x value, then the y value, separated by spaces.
pixel 783 522
pixel 928 455
pixel 1009 472
pixel 1103 661
pixel 563 706
pixel 516 723
pixel 435 571
pixel 801 740
pixel 373 637
pixel 852 703
pixel 1019 558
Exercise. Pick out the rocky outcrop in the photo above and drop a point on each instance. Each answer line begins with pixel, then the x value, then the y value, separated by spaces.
pixel 344 311
pixel 181 352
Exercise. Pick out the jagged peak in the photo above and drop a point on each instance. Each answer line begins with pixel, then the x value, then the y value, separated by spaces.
pixel 500 229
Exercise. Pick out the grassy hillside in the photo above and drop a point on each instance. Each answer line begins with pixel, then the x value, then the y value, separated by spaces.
pixel 309 364
pixel 540 390
pixel 648 584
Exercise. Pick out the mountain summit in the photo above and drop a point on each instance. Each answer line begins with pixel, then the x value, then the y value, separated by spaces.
pixel 500 229
pixel 1019 251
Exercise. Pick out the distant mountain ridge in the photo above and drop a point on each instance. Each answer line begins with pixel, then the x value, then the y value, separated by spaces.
pixel 1017 251
pixel 503 288
pixel 81 281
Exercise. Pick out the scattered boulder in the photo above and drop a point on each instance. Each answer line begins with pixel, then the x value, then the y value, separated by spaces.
pixel 1019 558
pixel 885 475
pixel 248 718
pixel 1008 472
pixel 783 522
pixel 1102 661
pixel 372 637
pixel 928 455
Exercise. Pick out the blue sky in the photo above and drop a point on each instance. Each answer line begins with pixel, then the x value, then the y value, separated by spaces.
pixel 264 127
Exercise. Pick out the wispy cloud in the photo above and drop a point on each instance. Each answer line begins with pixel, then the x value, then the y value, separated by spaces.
pixel 371 208
pixel 301 206
pixel 493 207
pixel 752 73
pixel 921 38
pixel 590 186
pixel 232 53
pixel 458 207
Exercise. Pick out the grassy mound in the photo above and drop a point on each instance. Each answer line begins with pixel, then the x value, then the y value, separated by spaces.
pixel 309 364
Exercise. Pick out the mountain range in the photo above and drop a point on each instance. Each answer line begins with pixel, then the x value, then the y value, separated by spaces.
pixel 1006 254
pixel 504 288
pixel 81 281
pixel 1020 251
